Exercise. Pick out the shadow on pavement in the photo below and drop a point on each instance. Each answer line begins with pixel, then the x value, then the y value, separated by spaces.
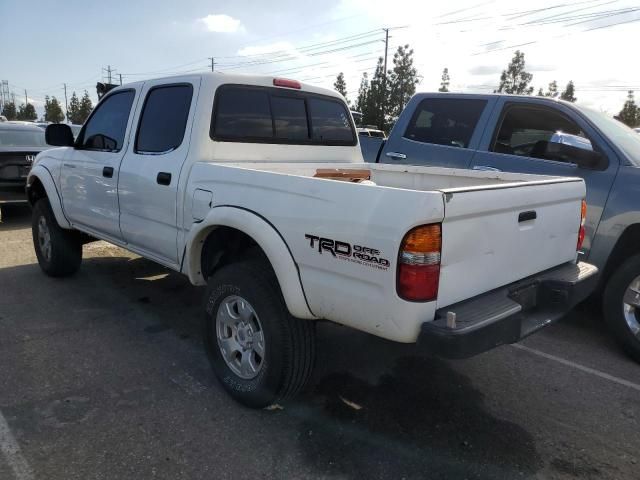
pixel 14 217
pixel 421 420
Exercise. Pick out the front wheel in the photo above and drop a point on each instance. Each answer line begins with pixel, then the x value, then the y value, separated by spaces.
pixel 260 353
pixel 621 304
pixel 59 251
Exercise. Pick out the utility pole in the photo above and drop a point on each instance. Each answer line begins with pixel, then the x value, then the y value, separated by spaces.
pixel 120 75
pixel 66 105
pixel 26 99
pixel 212 63
pixel 386 51
pixel 384 77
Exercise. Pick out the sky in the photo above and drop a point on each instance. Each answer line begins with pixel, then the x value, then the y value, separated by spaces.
pixel 592 42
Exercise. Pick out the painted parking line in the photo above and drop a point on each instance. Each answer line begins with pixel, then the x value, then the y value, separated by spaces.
pixel 577 366
pixel 12 454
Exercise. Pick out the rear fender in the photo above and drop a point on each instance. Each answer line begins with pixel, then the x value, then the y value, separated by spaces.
pixel 269 240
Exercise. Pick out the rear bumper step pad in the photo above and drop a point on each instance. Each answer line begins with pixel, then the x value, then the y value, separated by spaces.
pixel 507 314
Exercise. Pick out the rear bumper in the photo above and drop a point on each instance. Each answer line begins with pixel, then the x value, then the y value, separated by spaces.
pixel 507 314
pixel 10 192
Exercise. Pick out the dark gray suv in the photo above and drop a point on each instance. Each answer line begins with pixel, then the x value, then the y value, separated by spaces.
pixel 19 145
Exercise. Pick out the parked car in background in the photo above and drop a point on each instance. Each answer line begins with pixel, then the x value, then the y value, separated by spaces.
pixel 255 186
pixel 637 129
pixel 3 118
pixel 540 135
pixel 357 118
pixel 371 132
pixel 371 139
pixel 19 145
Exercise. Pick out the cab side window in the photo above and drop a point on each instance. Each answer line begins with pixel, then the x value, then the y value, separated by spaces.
pixel 106 128
pixel 164 119
pixel 527 131
pixel 445 121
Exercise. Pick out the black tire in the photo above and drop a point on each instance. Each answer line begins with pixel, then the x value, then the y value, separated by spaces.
pixel 289 341
pixel 65 256
pixel 613 306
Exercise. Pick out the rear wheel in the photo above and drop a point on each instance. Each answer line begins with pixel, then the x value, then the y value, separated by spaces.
pixel 621 304
pixel 259 352
pixel 59 251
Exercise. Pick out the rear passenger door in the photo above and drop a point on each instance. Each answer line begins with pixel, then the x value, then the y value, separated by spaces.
pixel 443 130
pixel 149 183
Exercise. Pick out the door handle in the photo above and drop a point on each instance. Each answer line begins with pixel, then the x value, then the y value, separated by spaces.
pixel 486 168
pixel 163 178
pixel 107 172
pixel 396 155
pixel 526 216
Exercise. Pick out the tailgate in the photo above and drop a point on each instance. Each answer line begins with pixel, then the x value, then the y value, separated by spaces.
pixel 496 235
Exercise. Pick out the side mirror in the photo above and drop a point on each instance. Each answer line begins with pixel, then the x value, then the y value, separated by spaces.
pixel 59 135
pixel 569 148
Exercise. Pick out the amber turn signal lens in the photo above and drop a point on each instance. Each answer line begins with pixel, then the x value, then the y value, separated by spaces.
pixel 423 239
pixel 419 264
pixel 583 218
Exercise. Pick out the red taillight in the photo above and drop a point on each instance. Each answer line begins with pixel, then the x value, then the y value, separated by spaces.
pixel 419 264
pixel 583 218
pixel 285 82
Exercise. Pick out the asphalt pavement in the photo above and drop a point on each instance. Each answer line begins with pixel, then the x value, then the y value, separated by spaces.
pixel 103 376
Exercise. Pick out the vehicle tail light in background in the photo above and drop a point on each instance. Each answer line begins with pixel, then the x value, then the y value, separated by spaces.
pixel 583 219
pixel 285 82
pixel 419 263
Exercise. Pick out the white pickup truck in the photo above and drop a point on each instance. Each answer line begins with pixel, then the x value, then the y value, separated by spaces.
pixel 256 187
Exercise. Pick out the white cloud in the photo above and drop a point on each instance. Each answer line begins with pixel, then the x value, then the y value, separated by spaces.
pixel 221 23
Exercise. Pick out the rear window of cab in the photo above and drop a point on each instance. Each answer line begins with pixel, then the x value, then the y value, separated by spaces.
pixel 279 116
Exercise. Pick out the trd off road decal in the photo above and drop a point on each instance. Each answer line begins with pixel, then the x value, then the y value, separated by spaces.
pixel 346 251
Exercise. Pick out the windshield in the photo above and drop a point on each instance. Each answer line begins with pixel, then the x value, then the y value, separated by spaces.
pixel 22 138
pixel 624 137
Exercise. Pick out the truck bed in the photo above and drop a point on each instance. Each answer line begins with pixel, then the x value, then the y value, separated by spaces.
pixel 408 176
pixel 485 243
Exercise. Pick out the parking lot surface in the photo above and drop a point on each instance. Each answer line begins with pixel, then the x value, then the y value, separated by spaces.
pixel 103 376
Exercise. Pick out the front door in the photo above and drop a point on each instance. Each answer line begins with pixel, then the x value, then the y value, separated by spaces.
pixel 89 176
pixel 149 182
pixel 517 144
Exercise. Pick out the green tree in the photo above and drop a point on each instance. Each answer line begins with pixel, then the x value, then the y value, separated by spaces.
pixel 340 86
pixel 73 113
pixel 568 93
pixel 540 92
pixel 515 79
pixel 402 84
pixel 377 98
pixel 552 91
pixel 445 80
pixel 86 106
pixel 52 110
pixel 363 93
pixel 9 111
pixel 27 112
pixel 630 113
